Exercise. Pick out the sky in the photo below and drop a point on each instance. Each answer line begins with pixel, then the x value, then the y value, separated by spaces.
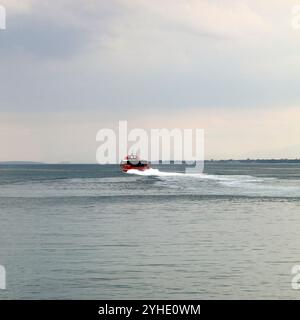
pixel 71 67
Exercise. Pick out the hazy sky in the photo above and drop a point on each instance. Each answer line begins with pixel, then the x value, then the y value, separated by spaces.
pixel 71 67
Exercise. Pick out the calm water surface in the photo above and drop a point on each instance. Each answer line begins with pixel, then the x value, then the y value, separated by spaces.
pixel 92 232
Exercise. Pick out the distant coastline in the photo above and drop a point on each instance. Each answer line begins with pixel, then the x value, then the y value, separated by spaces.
pixel 160 162
pixel 257 160
pixel 250 161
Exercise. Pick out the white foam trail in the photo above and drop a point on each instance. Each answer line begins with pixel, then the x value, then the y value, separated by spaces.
pixel 225 178
pixel 154 172
pixel 158 173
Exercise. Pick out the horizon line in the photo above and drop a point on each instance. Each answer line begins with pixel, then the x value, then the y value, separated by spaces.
pixel 154 162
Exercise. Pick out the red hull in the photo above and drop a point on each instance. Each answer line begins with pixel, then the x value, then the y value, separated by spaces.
pixel 126 167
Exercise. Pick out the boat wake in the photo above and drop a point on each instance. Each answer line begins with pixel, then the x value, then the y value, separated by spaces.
pixel 154 172
pixel 204 176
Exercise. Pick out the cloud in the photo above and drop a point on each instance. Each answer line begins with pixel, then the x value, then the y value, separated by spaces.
pixel 17 6
pixel 152 53
pixel 41 31
pixel 121 58
pixel 230 18
pixel 41 38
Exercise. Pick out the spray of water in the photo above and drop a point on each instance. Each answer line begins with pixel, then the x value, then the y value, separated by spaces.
pixel 158 173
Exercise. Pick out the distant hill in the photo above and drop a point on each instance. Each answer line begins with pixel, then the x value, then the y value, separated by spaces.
pixel 257 161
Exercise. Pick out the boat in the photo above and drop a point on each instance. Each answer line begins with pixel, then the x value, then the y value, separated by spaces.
pixel 134 162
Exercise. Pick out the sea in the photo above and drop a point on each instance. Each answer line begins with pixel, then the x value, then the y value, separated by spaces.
pixel 93 232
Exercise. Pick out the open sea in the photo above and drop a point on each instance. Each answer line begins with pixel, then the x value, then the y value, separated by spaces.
pixel 93 232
